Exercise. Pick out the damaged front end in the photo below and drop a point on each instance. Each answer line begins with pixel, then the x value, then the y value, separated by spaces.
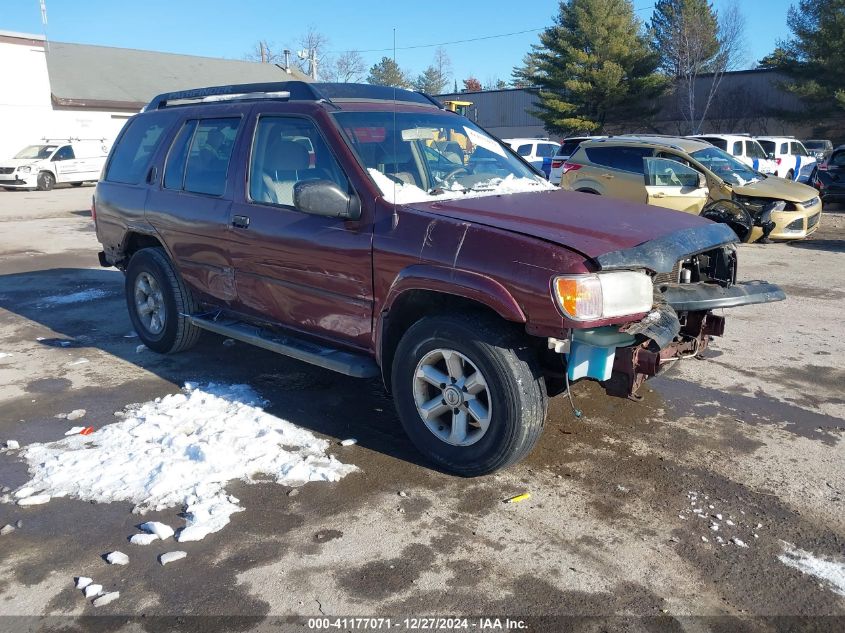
pixel 694 273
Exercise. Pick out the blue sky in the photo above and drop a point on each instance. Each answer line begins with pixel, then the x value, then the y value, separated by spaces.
pixel 228 28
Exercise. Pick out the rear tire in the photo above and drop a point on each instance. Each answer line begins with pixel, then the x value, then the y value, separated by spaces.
pixel 592 191
pixel 158 301
pixel 500 380
pixel 46 181
pixel 790 175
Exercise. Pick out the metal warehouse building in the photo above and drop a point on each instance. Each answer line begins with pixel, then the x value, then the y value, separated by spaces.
pixel 746 101
pixel 62 90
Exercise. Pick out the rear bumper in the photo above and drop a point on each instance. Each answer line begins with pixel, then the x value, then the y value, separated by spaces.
pixel 700 297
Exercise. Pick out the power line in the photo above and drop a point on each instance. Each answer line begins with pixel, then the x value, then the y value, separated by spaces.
pixel 472 39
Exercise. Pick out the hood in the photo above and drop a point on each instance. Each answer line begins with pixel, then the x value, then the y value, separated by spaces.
pixel 18 162
pixel 779 188
pixel 590 224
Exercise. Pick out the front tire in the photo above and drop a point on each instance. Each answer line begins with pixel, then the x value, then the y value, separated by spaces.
pixel 469 393
pixel 790 175
pixel 46 181
pixel 158 301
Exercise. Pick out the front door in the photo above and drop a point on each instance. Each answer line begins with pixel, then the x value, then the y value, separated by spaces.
pixel 310 273
pixel 673 185
pixel 66 164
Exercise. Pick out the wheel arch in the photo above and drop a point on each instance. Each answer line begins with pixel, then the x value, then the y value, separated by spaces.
pixel 420 291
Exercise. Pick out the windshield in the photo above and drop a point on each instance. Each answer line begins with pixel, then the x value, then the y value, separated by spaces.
pixel 37 152
pixel 726 166
pixel 753 150
pixel 415 157
pixel 769 146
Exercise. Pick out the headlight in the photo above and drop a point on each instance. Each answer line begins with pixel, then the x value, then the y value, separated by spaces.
pixel 591 297
pixel 25 169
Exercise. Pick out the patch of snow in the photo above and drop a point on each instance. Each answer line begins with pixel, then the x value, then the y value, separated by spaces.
pixel 75 414
pixel 4 354
pixel 74 430
pixel 35 500
pixel 76 297
pixel 142 539
pixel 130 335
pixel 158 529
pixel 140 348
pixel 81 361
pixel 7 529
pixel 83 581
pixel 106 598
pixel 170 557
pixel 92 590
pixel 117 558
pixel 181 450
pixel 350 442
pixel 405 193
pixel 833 572
pixel 12 445
pixel 738 542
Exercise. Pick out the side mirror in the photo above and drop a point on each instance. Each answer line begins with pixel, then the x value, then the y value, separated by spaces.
pixel 323 197
pixel 702 181
pixel 770 155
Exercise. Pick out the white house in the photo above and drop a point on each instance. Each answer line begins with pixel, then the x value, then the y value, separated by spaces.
pixel 59 90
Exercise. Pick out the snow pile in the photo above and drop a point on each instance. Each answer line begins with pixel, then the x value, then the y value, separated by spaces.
pixel 805 562
pixel 405 193
pixel 76 297
pixel 181 450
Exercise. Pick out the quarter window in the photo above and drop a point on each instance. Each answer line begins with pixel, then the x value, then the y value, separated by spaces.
pixel 132 155
pixel 622 158
pixel 524 150
pixel 288 150
pixel 174 172
pixel 784 148
pixel 737 148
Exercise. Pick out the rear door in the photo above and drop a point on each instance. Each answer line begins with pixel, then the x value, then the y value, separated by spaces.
pixel 191 201
pixel 307 272
pixel 673 185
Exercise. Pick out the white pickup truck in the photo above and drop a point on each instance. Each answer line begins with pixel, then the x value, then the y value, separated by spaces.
pixel 54 161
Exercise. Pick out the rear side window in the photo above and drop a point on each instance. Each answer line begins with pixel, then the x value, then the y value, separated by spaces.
pixel 623 158
pixel 784 148
pixel 199 157
pixel 737 148
pixel 524 150
pixel 568 148
pixel 132 155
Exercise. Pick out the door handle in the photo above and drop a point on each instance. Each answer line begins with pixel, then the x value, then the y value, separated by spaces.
pixel 659 194
pixel 240 221
pixel 607 176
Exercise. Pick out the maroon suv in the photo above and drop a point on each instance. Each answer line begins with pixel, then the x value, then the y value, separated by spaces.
pixel 367 230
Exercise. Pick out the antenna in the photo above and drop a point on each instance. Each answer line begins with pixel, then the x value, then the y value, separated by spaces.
pixel 395 131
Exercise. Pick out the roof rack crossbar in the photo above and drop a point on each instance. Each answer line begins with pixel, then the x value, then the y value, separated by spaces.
pixel 296 91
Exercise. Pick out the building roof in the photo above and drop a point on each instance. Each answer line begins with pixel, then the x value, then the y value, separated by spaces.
pixel 84 75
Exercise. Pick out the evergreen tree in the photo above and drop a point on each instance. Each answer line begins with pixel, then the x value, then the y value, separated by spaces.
pixel 814 56
pixel 388 73
pixel 593 67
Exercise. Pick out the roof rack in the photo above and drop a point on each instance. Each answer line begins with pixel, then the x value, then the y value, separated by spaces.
pixel 292 91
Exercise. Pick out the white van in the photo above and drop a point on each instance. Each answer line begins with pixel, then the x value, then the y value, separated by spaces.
pixel 745 148
pixel 54 161
pixel 793 160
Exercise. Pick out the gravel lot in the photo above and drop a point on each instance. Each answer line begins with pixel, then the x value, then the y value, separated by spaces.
pixel 753 435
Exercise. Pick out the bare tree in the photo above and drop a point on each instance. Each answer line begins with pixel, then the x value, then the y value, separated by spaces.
pixel 349 67
pixel 697 60
pixel 443 65
pixel 731 56
pixel 310 55
pixel 262 51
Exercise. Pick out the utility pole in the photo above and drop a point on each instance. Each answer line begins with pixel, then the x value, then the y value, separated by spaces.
pixel 309 54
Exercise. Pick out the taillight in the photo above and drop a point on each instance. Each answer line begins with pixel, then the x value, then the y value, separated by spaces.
pixel 777 160
pixel 567 167
pixel 556 164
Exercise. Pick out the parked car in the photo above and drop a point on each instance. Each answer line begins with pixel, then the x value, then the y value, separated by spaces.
pixel 696 177
pixel 567 148
pixel 829 177
pixel 793 160
pixel 44 165
pixel 537 151
pixel 475 290
pixel 743 147
pixel 820 149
